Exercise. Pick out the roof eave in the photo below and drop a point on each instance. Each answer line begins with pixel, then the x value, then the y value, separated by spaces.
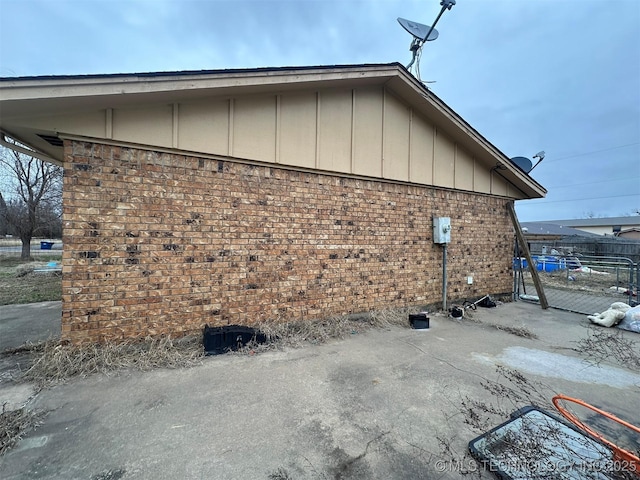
pixel 446 115
pixel 27 96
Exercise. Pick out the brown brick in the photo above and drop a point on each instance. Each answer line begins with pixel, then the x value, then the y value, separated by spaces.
pixel 175 244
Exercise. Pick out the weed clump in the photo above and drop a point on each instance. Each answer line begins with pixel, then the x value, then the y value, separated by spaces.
pixel 298 333
pixel 56 362
pixel 14 424
pixel 522 331
pixel 603 344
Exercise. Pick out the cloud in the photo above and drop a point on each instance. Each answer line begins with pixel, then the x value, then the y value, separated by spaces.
pixel 560 76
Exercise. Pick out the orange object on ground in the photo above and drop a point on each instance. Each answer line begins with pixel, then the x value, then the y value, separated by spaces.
pixel 620 454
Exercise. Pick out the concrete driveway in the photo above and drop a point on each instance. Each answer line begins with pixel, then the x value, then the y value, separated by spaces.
pixel 32 322
pixel 371 406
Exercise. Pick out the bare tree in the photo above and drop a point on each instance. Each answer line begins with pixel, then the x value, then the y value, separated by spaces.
pixel 32 196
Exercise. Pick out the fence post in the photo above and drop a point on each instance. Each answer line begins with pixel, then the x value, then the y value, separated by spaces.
pixel 525 249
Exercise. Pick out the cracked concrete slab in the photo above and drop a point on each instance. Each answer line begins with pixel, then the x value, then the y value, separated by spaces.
pixel 369 406
pixel 15 396
pixel 33 322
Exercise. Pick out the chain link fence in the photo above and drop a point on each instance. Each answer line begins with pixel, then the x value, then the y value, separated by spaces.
pixel 578 282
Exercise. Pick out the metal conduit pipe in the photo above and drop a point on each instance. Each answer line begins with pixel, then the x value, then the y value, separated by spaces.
pixel 444 277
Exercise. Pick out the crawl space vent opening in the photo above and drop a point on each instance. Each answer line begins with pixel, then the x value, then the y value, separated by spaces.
pixel 52 140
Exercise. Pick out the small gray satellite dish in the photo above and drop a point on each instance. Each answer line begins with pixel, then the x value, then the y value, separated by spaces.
pixel 418 30
pixel 523 163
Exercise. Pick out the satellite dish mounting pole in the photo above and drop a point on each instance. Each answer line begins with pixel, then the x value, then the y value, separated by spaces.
pixel 423 33
pixel 415 46
pixel 540 157
pixel 446 5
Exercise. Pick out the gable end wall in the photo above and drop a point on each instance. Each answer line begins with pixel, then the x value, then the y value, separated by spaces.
pixel 159 244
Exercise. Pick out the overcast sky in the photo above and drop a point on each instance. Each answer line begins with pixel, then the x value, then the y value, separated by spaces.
pixel 561 76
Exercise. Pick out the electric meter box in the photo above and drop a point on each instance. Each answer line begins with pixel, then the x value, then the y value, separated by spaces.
pixel 441 230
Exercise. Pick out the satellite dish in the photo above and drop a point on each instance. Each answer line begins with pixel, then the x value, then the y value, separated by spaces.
pixel 523 163
pixel 418 30
pixel 422 34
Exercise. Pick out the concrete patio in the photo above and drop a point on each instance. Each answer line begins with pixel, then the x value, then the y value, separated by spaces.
pixel 370 406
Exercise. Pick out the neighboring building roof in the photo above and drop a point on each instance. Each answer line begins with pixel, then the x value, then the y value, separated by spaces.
pixel 39 111
pixel 544 228
pixel 596 222
pixel 633 233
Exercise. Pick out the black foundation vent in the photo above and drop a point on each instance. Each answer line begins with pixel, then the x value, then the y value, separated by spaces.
pixel 419 321
pixel 217 340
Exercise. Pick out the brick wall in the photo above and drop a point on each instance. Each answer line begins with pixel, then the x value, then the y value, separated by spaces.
pixel 162 244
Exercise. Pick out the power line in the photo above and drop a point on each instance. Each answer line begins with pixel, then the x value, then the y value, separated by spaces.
pixel 591 183
pixel 544 201
pixel 584 154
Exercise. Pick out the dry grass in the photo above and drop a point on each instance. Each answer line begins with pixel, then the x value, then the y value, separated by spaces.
pixel 14 425
pixel 522 331
pixel 280 474
pixel 299 333
pixel 19 284
pixel 510 391
pixel 55 363
pixel 610 344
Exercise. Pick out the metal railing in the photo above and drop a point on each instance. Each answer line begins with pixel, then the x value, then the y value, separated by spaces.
pixel 581 283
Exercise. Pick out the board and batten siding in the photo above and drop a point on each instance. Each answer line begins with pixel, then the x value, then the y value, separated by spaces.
pixel 365 131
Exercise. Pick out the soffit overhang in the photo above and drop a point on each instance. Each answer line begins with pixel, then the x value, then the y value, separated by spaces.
pixel 25 97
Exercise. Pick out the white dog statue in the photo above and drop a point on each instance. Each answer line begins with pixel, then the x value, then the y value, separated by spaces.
pixel 610 317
